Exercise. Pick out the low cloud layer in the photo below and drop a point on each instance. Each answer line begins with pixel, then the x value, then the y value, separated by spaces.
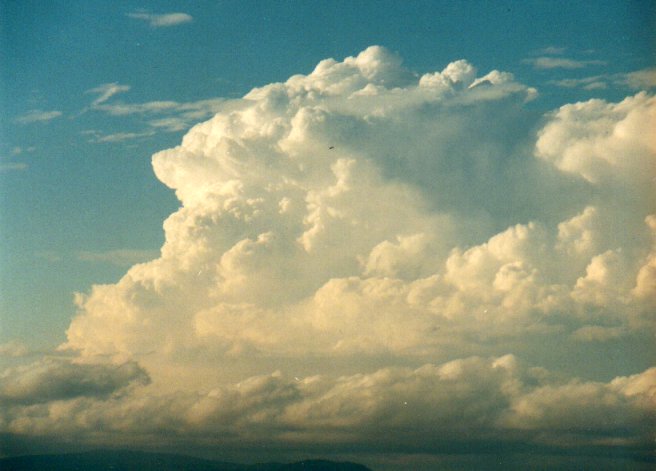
pixel 394 245
pixel 57 379
pixel 463 403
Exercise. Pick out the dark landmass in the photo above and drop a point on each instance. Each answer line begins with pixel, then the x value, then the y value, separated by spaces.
pixel 124 460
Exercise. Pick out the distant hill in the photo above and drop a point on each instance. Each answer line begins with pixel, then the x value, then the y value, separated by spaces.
pixel 124 460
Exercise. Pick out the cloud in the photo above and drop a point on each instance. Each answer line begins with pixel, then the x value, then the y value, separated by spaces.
pixel 644 79
pixel 548 62
pixel 13 166
pixel 641 79
pixel 190 110
pixel 551 50
pixel 122 109
pixel 14 348
pixel 162 20
pixel 167 116
pixel 56 379
pixel 340 204
pixel 596 82
pixel 17 150
pixel 591 140
pixel 121 136
pixel 106 91
pixel 384 239
pixel 448 407
pixel 38 116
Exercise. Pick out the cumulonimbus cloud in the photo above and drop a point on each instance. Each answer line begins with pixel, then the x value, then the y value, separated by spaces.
pixel 347 223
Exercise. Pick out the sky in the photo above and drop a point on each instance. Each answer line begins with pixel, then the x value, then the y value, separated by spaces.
pixel 418 235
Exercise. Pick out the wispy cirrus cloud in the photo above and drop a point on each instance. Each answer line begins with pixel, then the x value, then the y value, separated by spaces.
pixel 106 91
pixel 123 109
pixel 641 79
pixel 548 62
pixel 18 150
pixel 13 166
pixel 595 82
pixel 161 115
pixel 38 116
pixel 644 79
pixel 99 137
pixel 551 50
pixel 161 20
pixel 193 110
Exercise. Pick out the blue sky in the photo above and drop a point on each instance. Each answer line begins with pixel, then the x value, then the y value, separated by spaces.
pixel 90 90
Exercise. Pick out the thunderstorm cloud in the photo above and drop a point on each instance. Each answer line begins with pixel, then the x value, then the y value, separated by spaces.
pixel 365 255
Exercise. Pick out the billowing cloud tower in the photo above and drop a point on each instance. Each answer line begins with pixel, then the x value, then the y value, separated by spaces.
pixel 364 249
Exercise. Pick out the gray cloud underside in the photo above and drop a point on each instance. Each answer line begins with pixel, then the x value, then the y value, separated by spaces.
pixel 56 379
pixel 433 407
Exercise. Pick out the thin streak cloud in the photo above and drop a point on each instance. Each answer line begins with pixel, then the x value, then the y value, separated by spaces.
pixel 13 166
pixel 106 91
pixel 162 20
pixel 547 62
pixel 38 116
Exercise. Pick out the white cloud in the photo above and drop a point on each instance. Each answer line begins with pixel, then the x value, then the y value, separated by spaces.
pixel 551 50
pixel 644 79
pixel 122 109
pixel 548 62
pixel 122 136
pixel 596 82
pixel 167 116
pixel 38 116
pixel 592 140
pixel 106 91
pixel 293 224
pixel 162 20
pixel 641 79
pixel 190 110
pixel 351 225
